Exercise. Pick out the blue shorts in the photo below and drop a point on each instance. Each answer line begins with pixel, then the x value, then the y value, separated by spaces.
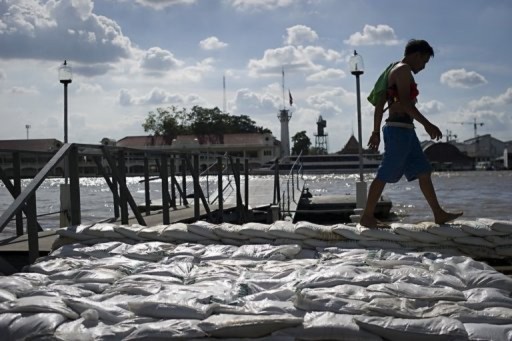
pixel 402 155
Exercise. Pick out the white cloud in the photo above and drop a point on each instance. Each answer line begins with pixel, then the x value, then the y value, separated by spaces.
pixel 2 75
pixel 292 58
pixel 157 59
pixel 374 35
pixel 85 87
pixel 431 107
pixel 20 90
pixel 54 30
pixel 259 5
pixel 327 74
pixel 300 35
pixel 157 97
pixel 460 78
pixel 249 102
pixel 488 102
pixel 212 43
pixel 328 102
pixel 161 4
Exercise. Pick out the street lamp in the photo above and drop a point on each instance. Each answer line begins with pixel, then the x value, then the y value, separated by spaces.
pixel 357 69
pixel 65 76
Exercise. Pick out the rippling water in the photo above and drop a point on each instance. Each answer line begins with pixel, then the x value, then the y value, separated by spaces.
pixel 477 193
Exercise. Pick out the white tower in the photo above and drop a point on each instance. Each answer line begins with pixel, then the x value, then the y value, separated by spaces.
pixel 284 117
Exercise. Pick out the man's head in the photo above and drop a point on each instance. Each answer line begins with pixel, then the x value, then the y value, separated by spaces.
pixel 418 53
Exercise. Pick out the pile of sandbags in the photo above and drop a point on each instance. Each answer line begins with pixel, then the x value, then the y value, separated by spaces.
pixel 149 290
pixel 482 238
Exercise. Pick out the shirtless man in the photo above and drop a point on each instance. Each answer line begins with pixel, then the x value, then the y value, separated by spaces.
pixel 402 151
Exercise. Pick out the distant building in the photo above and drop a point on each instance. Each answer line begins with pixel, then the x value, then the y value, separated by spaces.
pixel 352 147
pixel 446 156
pixel 482 148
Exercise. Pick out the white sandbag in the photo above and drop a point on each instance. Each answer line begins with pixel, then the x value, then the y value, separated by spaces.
pixel 32 326
pixel 106 312
pixel 476 241
pixel 258 240
pixel 166 307
pixel 152 233
pixel 130 231
pixel 97 275
pixel 15 285
pixel 76 232
pixel 218 251
pixel 342 244
pixel 41 304
pixel 262 307
pixel 504 251
pixel 54 265
pixel 350 232
pixel 487 278
pixel 284 229
pixel 442 279
pixel 493 315
pixel 73 330
pixel 319 325
pixel 498 225
pixel 180 232
pixel 246 326
pixel 500 240
pixel 230 231
pixel 98 250
pixel 382 234
pixel 342 274
pixel 329 302
pixel 265 251
pixel 233 242
pixel 316 231
pixel 103 230
pixel 480 298
pixel 380 244
pixel 416 232
pixel 149 251
pixel 488 332
pixel 203 228
pixel 477 228
pixel 432 329
pixel 445 230
pixel 257 230
pixel 6 295
pixel 414 291
pixel 188 249
pixel 175 329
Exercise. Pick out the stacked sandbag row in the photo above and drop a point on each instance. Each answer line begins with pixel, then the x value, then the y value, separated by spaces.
pixel 483 238
pixel 159 290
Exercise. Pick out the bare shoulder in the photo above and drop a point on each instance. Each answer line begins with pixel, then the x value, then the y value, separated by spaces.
pixel 401 71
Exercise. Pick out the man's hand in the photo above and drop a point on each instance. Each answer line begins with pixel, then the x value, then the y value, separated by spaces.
pixel 433 131
pixel 374 141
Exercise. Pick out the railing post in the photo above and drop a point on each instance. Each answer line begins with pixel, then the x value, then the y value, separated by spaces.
pixel 220 197
pixel 173 182
pixel 165 189
pixel 74 186
pixel 246 175
pixel 184 178
pixel 33 237
pixel 122 178
pixel 16 177
pixel 195 177
pixel 277 190
pixel 147 194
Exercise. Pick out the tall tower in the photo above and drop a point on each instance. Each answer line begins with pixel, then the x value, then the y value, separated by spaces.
pixel 321 136
pixel 284 117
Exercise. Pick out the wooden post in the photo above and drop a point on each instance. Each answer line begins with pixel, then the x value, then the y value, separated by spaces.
pixel 74 187
pixel 16 167
pixel 165 189
pixel 33 238
pixel 173 182
pixel 246 173
pixel 184 178
pixel 220 196
pixel 122 179
pixel 277 190
pixel 147 194
pixel 197 189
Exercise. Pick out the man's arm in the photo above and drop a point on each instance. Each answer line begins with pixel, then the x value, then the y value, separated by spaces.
pixel 374 141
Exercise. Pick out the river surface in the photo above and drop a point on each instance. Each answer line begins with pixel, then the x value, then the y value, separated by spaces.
pixel 477 193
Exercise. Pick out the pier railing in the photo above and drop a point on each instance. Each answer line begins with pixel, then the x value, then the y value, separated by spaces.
pixel 292 187
pixel 111 164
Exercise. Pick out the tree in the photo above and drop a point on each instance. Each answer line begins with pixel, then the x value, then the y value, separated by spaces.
pixel 301 142
pixel 199 121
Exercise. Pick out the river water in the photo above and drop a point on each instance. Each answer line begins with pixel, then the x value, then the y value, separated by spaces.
pixel 477 193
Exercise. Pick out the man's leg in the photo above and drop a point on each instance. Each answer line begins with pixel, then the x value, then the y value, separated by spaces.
pixel 374 193
pixel 427 188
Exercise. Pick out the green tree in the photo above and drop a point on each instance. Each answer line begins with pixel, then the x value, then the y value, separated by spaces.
pixel 301 142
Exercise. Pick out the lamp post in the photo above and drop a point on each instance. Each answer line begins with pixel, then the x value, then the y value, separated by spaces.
pixel 65 76
pixel 357 69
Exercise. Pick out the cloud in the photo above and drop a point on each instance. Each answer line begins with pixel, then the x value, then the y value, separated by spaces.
pixel 85 87
pixel 249 102
pixel 431 107
pixel 300 35
pixel 2 75
pixel 161 4
pixel 20 90
pixel 374 35
pixel 328 102
pixel 327 74
pixel 488 102
pixel 91 70
pixel 259 5
pixel 57 30
pixel 157 59
pixel 292 58
pixel 212 43
pixel 157 97
pixel 460 78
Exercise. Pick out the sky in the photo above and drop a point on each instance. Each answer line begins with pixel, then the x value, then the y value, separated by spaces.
pixel 130 57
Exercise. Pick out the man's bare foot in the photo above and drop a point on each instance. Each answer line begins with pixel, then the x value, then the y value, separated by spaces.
pixel 372 223
pixel 445 217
